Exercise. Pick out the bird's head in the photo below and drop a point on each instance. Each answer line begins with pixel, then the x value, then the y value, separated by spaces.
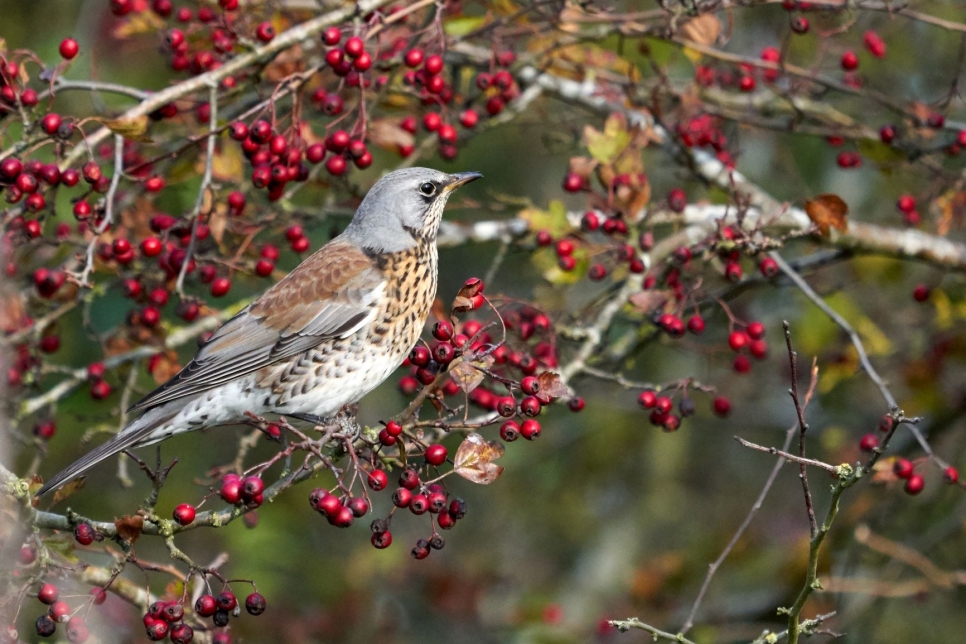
pixel 404 208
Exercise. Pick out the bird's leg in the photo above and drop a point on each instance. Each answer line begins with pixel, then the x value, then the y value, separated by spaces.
pixel 312 418
pixel 346 418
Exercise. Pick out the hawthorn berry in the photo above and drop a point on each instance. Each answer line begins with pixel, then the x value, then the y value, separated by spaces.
pixel 48 594
pixel 220 618
pixel 182 634
pixel 921 293
pixel 377 480
pixel 903 468
pixel 696 324
pixel 45 626
pixel 510 431
pixel 184 514
pixel 799 25
pixel 573 182
pixel 402 497
pixel 226 600
pixel 436 454
pixel 265 32
pixel 869 442
pixel 742 364
pixel 915 484
pixel 59 611
pixel 68 48
pixel 850 61
pixel 419 504
pixel 951 475
pixel 255 604
pixel 530 429
pixel 381 540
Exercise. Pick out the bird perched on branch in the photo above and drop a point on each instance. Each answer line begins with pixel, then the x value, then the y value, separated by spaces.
pixel 323 337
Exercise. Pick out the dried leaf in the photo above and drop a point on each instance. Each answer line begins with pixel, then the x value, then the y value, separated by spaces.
pixel 165 366
pixel 132 128
pixel 69 489
pixel 140 22
pixel 551 385
pixel 466 376
pixel 129 527
pixel 703 30
pixel 218 222
pixel 650 301
pixel 13 312
pixel 474 459
pixel 828 211
pixel 387 134
pixel 227 164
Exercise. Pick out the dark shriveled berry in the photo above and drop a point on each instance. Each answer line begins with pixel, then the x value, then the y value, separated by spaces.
pixel 255 604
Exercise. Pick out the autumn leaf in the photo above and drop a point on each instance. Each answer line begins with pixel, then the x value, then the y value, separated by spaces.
pixel 828 211
pixel 465 299
pixel 387 134
pixel 651 300
pixel 607 145
pixel 474 459
pixel 132 128
pixel 466 376
pixel 551 385
pixel 129 527
pixel 218 222
pixel 13 312
pixel 703 30
pixel 553 219
pixel 165 366
pixel 68 490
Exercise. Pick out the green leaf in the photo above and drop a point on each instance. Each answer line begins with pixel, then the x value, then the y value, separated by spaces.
pixel 463 26
pixel 553 219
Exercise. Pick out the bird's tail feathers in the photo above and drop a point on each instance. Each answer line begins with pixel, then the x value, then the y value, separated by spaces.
pixel 131 436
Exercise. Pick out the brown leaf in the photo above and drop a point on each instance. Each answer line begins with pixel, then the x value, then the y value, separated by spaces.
pixel 703 30
pixel 551 385
pixel 132 128
pixel 466 376
pixel 582 166
pixel 69 490
pixel 650 301
pixel 166 366
pixel 828 211
pixel 387 134
pixel 218 222
pixel 13 312
pixel 464 299
pixel 129 527
pixel 474 459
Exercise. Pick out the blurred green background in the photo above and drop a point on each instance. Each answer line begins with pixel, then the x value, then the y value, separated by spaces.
pixel 605 516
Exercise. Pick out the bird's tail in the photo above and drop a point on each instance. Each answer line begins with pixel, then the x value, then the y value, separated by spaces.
pixel 137 433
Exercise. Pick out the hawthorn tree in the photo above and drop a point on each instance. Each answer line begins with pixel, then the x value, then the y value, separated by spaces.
pixel 691 210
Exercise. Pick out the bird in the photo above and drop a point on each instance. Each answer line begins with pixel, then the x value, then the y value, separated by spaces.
pixel 322 337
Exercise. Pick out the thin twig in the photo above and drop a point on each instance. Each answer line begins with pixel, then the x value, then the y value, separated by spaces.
pixel 803 427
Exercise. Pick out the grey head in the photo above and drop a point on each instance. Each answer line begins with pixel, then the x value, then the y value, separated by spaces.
pixel 404 208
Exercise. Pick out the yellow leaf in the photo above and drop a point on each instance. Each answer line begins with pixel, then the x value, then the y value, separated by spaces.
pixel 703 30
pixel 553 220
pixel 130 128
pixel 876 342
pixel 463 25
pixel 227 164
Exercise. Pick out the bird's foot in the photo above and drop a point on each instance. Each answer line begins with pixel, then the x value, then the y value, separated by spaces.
pixel 346 419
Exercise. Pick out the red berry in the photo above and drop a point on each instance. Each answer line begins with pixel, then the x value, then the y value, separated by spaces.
pixel 677 200
pixel 100 390
pixel 746 84
pixel 255 604
pixel 756 330
pixel 206 606
pixel 469 118
pixel 413 58
pixel 184 514
pixel 573 182
pixel 722 406
pixel 800 25
pixel 220 286
pixel 436 454
pixel 737 340
pixel 434 65
pixel 48 594
pixel 381 540
pixel 377 480
pixel 951 475
pixel 332 36
pixel 530 429
pixel 182 634
pixel 768 267
pixel 265 32
pixel 874 44
pixel 230 491
pixel 742 364
pixel 869 442
pixel 696 324
pixel 509 431
pixel 921 293
pixel 226 600
pixel 850 61
pixel 647 399
pixel 402 497
pixel 68 48
pixel 354 47
pixel 84 534
pixel 914 484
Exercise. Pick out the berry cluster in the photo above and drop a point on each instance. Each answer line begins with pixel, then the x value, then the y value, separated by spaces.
pixel 60 612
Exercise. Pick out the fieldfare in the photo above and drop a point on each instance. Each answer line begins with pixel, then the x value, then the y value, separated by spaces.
pixel 322 337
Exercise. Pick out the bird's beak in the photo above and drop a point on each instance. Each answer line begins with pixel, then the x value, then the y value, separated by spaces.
pixel 459 178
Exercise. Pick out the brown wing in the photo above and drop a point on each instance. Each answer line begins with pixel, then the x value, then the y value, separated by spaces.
pixel 331 294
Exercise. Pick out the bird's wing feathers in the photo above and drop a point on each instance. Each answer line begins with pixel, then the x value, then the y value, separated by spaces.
pixel 331 294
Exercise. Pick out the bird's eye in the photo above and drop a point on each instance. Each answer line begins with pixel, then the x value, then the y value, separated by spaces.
pixel 428 189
